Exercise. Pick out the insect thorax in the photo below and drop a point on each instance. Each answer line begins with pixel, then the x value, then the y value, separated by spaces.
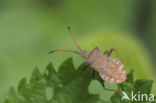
pixel 94 55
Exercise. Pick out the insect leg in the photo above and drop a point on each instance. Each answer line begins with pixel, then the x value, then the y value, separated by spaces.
pixel 85 67
pixel 106 52
pixel 83 71
pixel 110 52
pixel 103 85
pixel 93 74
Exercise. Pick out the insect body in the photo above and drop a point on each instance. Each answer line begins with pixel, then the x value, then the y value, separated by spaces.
pixel 109 69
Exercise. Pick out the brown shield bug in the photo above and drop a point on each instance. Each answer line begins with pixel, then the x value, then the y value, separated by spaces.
pixel 109 69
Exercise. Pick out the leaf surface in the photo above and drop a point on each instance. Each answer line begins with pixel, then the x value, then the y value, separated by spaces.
pixel 68 85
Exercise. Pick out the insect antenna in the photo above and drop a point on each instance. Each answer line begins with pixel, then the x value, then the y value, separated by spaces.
pixel 75 42
pixel 77 52
pixel 64 51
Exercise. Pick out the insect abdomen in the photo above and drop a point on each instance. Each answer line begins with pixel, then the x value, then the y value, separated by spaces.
pixel 114 72
pixel 110 71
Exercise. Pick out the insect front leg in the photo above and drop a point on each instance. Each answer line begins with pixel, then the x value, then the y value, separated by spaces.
pixel 93 74
pixel 85 67
pixel 110 52
pixel 103 85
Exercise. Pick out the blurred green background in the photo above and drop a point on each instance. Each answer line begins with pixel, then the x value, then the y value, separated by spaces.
pixel 29 29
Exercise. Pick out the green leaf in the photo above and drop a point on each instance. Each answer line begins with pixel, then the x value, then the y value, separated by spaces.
pixel 73 87
pixel 14 97
pixel 130 78
pixel 36 76
pixel 51 77
pixel 115 99
pixel 67 72
pixel 68 85
pixel 140 86
pixel 144 86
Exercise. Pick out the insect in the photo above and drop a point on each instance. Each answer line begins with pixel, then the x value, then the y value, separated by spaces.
pixel 109 69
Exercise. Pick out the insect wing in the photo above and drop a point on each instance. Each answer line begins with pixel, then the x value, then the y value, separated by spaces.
pixel 112 73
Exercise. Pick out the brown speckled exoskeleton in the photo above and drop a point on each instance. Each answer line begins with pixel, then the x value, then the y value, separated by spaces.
pixel 109 69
